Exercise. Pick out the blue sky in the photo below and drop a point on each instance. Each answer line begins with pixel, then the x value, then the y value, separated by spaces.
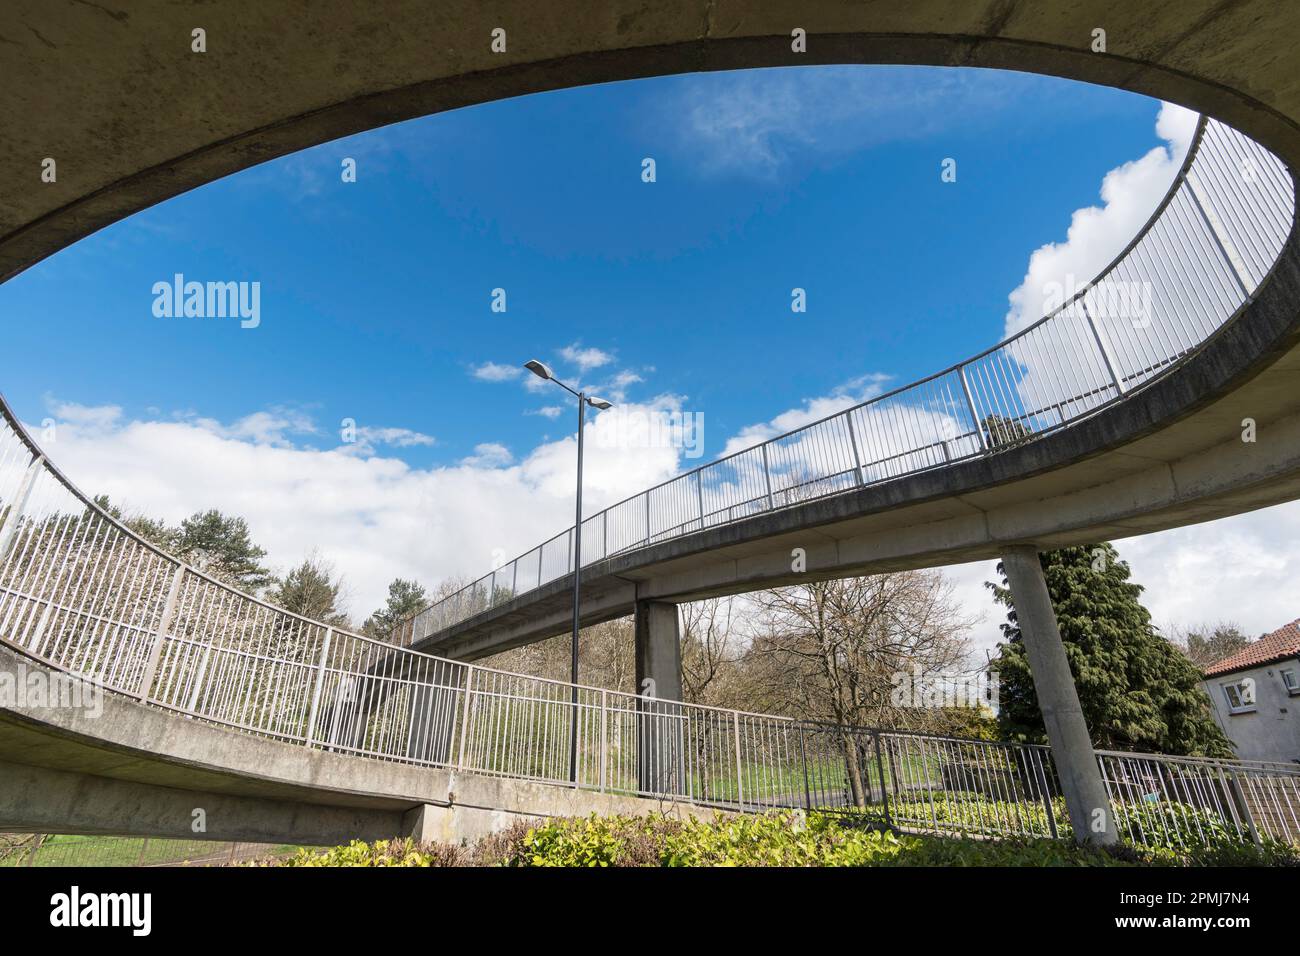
pixel 375 306
pixel 376 294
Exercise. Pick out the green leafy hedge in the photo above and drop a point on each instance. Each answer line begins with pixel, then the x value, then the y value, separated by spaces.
pixel 789 838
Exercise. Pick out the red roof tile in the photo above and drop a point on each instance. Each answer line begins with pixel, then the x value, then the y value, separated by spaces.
pixel 1282 643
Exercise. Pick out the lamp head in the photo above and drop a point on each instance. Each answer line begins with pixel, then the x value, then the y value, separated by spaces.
pixel 599 403
pixel 539 369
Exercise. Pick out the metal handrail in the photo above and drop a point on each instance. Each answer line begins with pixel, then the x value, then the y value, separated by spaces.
pixel 990 385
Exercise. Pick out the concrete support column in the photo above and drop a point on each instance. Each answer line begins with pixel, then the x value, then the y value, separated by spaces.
pixel 430 721
pixel 436 697
pixel 660 731
pixel 1076 763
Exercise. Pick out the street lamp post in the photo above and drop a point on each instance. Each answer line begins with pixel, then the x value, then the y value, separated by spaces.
pixel 544 372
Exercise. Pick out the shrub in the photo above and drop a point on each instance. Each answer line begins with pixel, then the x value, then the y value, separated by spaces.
pixel 789 838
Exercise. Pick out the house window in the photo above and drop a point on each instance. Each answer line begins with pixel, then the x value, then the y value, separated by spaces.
pixel 1240 696
pixel 1291 680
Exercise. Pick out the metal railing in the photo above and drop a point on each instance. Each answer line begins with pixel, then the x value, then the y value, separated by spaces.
pixel 1191 801
pixel 81 592
pixel 1198 260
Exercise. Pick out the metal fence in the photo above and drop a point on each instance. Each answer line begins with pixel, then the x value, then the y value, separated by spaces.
pixel 83 593
pixel 63 850
pixel 1197 261
pixel 1188 801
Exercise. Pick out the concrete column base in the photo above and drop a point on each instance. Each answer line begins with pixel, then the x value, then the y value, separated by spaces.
pixel 456 825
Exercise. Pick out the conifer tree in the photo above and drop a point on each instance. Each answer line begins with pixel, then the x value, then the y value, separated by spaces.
pixel 1137 691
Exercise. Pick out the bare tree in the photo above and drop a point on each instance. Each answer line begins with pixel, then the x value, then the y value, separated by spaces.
pixel 1207 644
pixel 710 651
pixel 833 650
pixel 606 657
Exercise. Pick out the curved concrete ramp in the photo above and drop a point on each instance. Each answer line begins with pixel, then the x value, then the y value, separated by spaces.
pixel 120 768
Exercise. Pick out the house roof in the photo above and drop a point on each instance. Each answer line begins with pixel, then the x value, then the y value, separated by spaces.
pixel 1280 644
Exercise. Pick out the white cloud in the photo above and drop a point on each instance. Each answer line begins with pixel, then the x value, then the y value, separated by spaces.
pixel 492 372
pixel 757 123
pixel 537 385
pixel 372 516
pixel 547 411
pixel 398 437
pixel 368 438
pixel 95 418
pixel 813 409
pixel 1129 194
pixel 615 389
pixel 585 359
pixel 1240 569
pixel 489 455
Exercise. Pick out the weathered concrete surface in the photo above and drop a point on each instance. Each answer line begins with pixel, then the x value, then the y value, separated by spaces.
pixel 114 94
pixel 662 749
pixel 138 770
pixel 658 650
pixel 1076 764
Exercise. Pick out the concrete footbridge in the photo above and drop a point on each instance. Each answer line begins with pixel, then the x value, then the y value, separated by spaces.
pixel 1094 423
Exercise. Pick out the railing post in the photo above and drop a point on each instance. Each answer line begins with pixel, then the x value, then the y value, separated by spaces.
pixel 36 848
pixel 970 403
pixel 15 515
pixel 1239 797
pixel 740 773
pixel 1047 795
pixel 604 707
pixel 767 476
pixel 853 440
pixel 699 493
pixel 647 517
pixel 803 760
pixel 320 683
pixel 884 790
pixel 198 680
pixel 1102 347
pixel 1229 251
pixel 160 635
pixel 465 715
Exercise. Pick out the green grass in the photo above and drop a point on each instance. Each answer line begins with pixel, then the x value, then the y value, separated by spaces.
pixel 81 851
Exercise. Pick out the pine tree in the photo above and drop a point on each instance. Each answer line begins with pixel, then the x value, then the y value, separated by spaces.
pixel 221 546
pixel 1137 690
pixel 405 598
